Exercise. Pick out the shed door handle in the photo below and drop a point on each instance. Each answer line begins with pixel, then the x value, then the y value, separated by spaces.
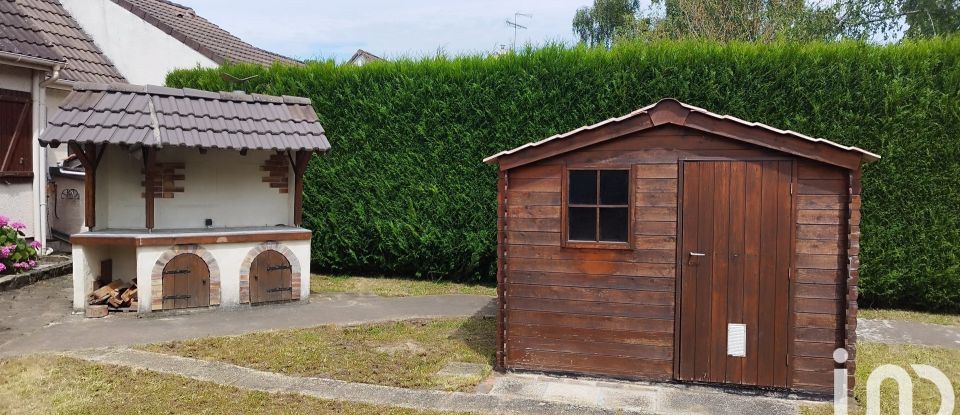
pixel 697 254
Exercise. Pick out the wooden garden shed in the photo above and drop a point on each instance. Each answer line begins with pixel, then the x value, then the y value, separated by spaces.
pixel 674 243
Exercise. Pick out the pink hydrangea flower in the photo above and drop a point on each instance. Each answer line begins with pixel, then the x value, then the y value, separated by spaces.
pixel 32 263
pixel 6 250
pixel 2 267
pixel 20 265
pixel 18 226
pixel 4 220
pixel 36 244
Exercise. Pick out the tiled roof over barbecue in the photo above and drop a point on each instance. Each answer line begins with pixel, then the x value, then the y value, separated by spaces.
pixel 200 34
pixel 160 117
pixel 31 20
pixel 18 37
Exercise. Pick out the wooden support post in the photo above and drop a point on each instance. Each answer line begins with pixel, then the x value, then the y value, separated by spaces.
pixel 89 158
pixel 150 170
pixel 300 163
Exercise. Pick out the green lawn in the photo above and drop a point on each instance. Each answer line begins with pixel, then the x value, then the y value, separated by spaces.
pixel 393 287
pixel 925 395
pixel 933 318
pixel 405 354
pixel 48 384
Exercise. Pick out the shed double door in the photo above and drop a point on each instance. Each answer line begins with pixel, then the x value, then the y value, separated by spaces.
pixel 736 244
pixel 186 282
pixel 271 278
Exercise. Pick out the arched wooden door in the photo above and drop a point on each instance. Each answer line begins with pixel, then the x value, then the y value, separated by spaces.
pixel 271 278
pixel 186 282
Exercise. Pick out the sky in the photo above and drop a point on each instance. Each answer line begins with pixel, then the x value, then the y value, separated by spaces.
pixel 322 29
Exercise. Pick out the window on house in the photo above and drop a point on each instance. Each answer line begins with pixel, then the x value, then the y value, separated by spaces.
pixel 598 206
pixel 16 134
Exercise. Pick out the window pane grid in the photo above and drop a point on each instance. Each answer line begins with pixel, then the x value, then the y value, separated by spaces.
pixel 598 222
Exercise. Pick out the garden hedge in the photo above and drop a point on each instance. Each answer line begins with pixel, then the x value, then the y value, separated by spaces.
pixel 404 191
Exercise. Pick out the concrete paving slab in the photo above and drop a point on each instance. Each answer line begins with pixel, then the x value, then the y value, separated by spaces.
pixel 572 393
pixel 657 398
pixel 908 332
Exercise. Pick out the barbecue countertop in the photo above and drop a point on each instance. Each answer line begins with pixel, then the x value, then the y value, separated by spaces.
pixel 145 237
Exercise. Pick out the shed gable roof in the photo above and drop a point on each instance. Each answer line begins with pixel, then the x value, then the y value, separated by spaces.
pixel 200 34
pixel 671 111
pixel 158 116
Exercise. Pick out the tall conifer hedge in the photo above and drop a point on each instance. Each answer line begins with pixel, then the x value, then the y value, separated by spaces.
pixel 404 191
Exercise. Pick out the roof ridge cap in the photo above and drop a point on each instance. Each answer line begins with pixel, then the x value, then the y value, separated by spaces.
pixel 154 121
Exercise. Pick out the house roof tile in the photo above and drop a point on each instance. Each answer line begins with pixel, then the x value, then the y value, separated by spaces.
pixel 20 38
pixel 159 116
pixel 44 29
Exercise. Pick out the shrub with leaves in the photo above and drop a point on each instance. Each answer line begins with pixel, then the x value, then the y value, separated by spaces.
pixel 403 190
pixel 16 254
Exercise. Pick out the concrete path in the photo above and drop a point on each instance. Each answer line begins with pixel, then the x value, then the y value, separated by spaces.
pixel 27 309
pixel 75 332
pixel 39 318
pixel 908 332
pixel 661 398
pixel 231 375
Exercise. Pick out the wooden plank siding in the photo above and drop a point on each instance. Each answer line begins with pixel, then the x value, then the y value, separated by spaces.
pixel 613 311
pixel 594 311
pixel 820 268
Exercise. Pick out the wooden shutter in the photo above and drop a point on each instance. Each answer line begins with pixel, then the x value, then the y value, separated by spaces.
pixel 16 134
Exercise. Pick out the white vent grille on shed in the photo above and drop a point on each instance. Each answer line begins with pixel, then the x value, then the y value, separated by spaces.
pixel 737 340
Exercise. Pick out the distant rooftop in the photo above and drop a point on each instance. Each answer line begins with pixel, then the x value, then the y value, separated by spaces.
pixel 361 57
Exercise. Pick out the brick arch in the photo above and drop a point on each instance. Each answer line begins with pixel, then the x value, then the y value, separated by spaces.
pixel 257 250
pixel 156 276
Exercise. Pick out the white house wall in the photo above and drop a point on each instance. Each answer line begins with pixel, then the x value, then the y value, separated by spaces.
pixel 54 98
pixel 141 52
pixel 17 203
pixel 221 185
pixel 66 214
pixel 15 78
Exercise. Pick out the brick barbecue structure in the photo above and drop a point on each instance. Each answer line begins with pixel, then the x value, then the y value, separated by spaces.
pixel 194 197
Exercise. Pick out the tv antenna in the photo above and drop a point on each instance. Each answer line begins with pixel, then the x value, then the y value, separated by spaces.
pixel 515 25
pixel 232 79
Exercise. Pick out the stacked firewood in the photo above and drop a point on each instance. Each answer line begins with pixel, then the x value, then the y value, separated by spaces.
pixel 116 295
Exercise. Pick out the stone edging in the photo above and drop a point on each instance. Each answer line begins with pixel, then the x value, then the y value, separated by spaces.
pixel 251 379
pixel 44 272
